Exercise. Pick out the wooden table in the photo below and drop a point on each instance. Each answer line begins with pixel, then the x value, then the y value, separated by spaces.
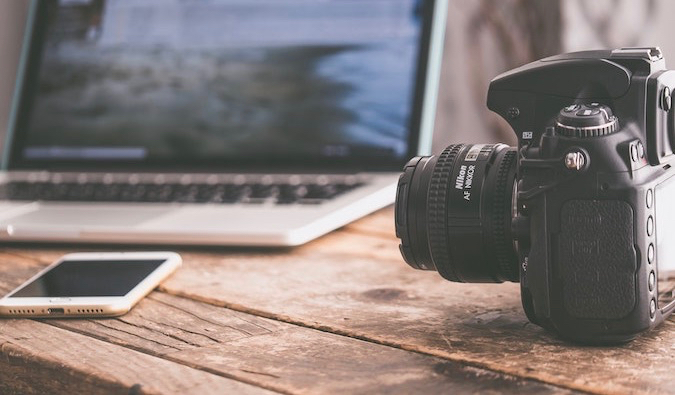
pixel 342 314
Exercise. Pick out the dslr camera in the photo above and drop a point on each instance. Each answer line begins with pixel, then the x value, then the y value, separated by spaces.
pixel 581 212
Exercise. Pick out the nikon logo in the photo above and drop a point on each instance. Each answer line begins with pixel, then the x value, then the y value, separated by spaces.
pixel 459 182
pixel 464 179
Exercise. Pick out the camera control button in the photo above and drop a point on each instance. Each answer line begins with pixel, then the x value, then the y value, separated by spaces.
pixel 575 160
pixel 587 113
pixel 652 281
pixel 650 253
pixel 652 308
pixel 586 120
pixel 641 150
pixel 650 198
pixel 650 226
pixel 666 99
pixel 634 154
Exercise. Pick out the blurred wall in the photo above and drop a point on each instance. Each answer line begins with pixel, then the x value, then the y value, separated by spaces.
pixel 483 39
pixel 509 33
pixel 616 23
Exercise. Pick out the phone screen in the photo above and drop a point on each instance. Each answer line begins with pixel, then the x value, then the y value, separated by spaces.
pixel 90 278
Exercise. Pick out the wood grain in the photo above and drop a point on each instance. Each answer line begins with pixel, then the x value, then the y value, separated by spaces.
pixel 40 359
pixel 281 356
pixel 353 282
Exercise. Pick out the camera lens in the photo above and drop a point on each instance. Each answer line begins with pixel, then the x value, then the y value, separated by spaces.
pixel 454 212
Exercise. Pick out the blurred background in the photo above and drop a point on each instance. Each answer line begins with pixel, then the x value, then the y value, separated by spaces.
pixel 483 39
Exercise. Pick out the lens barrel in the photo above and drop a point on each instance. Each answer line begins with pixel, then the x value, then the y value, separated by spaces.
pixel 454 211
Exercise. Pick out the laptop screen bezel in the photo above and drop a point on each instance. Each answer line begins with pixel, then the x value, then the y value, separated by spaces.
pixel 28 84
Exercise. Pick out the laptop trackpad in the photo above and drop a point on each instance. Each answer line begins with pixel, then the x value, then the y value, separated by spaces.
pixel 69 216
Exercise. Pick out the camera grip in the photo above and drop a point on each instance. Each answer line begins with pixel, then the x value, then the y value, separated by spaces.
pixel 597 261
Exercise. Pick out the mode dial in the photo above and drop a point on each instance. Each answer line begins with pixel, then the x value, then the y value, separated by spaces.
pixel 586 120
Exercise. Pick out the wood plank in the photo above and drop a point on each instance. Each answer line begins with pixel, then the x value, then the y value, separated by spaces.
pixel 82 365
pixel 353 282
pixel 280 356
pixel 358 285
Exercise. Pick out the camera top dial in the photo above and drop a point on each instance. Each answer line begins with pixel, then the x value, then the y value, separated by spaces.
pixel 586 120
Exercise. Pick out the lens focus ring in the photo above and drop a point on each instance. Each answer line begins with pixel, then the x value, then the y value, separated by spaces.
pixel 501 217
pixel 437 210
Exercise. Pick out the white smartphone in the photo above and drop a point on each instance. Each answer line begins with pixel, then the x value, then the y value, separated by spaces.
pixel 90 284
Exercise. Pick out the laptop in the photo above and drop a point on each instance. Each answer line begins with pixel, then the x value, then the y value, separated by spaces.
pixel 215 122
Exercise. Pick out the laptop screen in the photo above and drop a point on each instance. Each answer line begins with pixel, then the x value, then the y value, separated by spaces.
pixel 190 84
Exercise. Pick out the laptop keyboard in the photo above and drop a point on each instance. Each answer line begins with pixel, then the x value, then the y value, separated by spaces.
pixel 225 193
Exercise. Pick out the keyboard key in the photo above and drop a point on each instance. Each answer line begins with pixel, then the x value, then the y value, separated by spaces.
pixel 256 193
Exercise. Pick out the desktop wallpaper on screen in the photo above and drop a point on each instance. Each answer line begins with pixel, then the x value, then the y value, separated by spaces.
pixel 158 79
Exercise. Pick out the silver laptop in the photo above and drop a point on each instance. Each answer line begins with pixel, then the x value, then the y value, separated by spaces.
pixel 218 122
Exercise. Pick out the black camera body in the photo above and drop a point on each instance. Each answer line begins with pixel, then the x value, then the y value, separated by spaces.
pixel 579 212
